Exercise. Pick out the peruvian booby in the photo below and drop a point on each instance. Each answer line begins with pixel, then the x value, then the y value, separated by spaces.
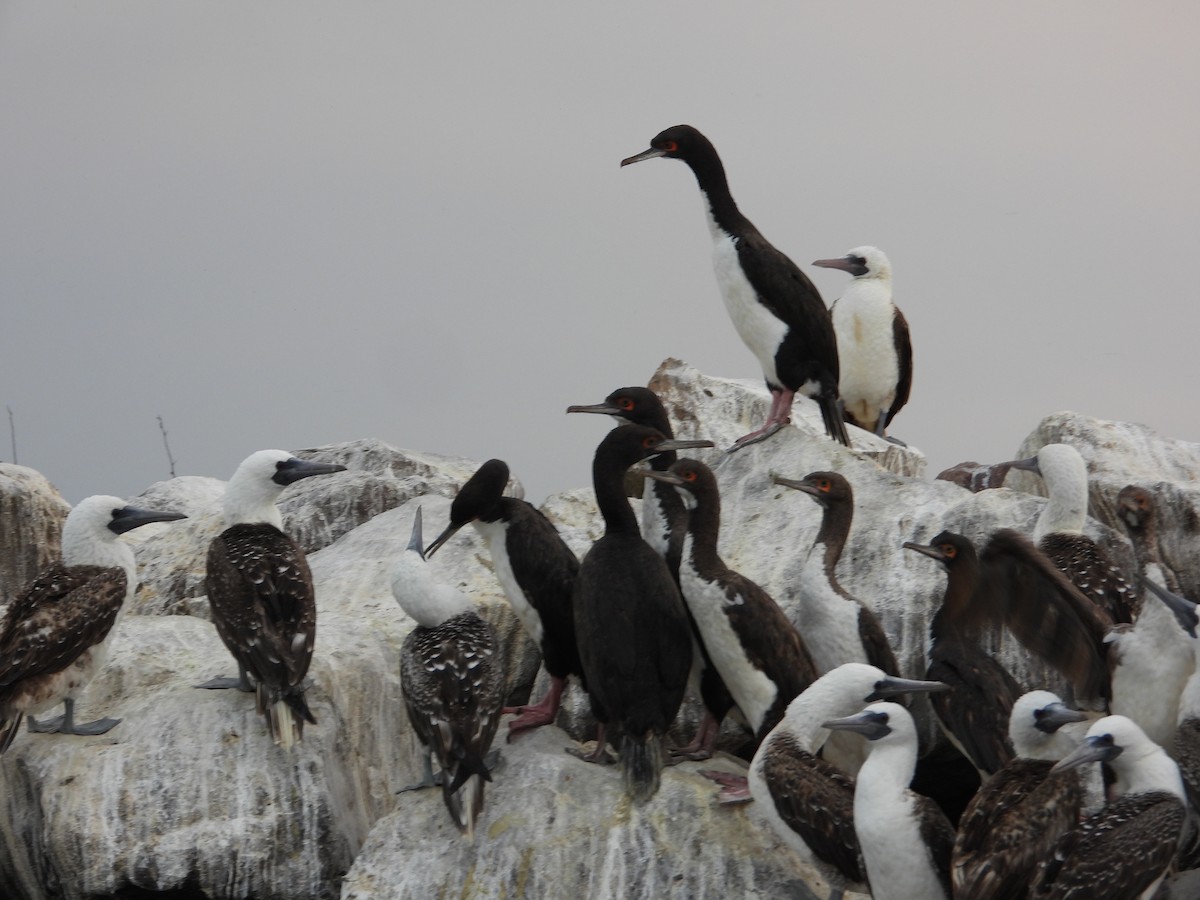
pixel 975 714
pixel 807 800
pixel 906 840
pixel 777 311
pixel 1059 531
pixel 1124 850
pixel 874 347
pixel 1018 814
pixel 664 525
pixel 56 633
pixel 261 593
pixel 537 571
pixel 452 680
pixel 635 642
pixel 761 656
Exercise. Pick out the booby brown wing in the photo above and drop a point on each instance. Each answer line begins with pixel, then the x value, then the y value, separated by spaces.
pixel 1021 588
pixel 816 800
pixel 1091 570
pixel 62 613
pixel 260 589
pixel 904 356
pixel 938 835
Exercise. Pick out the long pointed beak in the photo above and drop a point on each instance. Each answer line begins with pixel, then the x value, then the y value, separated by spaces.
pixel 667 477
pixel 672 444
pixel 414 542
pixel 1098 748
pixel 842 262
pixel 1183 609
pixel 292 470
pixel 802 486
pixel 128 518
pixel 892 686
pixel 931 552
pixel 1054 716
pixel 644 155
pixel 870 724
pixel 606 409
pixel 1030 464
pixel 441 539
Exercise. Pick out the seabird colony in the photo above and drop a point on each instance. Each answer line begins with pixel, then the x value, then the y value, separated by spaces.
pixel 653 605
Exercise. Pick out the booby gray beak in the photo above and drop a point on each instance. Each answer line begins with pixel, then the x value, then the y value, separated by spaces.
pixel 672 444
pixel 845 263
pixel 414 542
pixel 292 470
pixel 892 687
pixel 927 550
pixel 1025 465
pixel 869 723
pixel 1054 716
pixel 605 409
pixel 1097 748
pixel 441 539
pixel 128 518
pixel 652 153
pixel 1183 609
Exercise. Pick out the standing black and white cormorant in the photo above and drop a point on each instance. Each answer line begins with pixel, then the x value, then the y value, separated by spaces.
pixel 452 680
pixel 664 525
pixel 1059 531
pixel 762 658
pixel 807 800
pixel 635 642
pixel 1014 820
pixel 874 348
pixel 537 571
pixel 777 311
pixel 1124 850
pixel 838 628
pixel 55 634
pixel 261 593
pixel 906 839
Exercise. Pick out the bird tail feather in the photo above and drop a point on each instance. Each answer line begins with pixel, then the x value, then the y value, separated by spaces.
pixel 8 731
pixel 641 765
pixel 835 424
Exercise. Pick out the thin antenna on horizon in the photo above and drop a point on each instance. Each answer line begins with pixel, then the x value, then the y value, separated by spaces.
pixel 167 446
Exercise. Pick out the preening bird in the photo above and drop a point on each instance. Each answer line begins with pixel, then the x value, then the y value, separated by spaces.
pixel 452 679
pixel 56 633
pixel 261 593
pixel 777 311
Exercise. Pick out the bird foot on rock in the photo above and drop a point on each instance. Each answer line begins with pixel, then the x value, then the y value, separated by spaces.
pixel 224 684
pixel 734 788
pixel 61 725
pixel 598 755
pixel 755 437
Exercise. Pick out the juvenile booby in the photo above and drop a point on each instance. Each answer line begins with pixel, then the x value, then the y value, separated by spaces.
pixel 1124 850
pixel 808 801
pixel 55 634
pixel 975 714
pixel 452 681
pixel 634 639
pixel 261 594
pixel 537 571
pixel 777 311
pixel 874 348
pixel 1059 531
pixel 762 659
pixel 1017 815
pixel 905 838
pixel 664 524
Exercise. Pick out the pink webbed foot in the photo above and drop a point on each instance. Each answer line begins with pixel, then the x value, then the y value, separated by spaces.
pixel 541 713
pixel 734 788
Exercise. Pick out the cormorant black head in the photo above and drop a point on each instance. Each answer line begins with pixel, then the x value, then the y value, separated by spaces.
pixel 637 405
pixel 127 518
pixel 631 443
pixel 677 142
pixel 475 500
pixel 825 487
pixel 289 471
pixel 947 548
pixel 870 723
pixel 1135 506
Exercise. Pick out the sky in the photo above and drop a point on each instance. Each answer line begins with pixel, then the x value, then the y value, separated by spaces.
pixel 285 224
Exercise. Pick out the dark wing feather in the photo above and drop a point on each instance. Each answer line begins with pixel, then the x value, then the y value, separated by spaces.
pixel 1019 586
pixel 1187 755
pixel 1117 852
pixel 938 835
pixel 904 356
pixel 63 612
pixel 771 642
pixel 260 590
pixel 816 800
pixel 977 708
pixel 1091 570
pixel 1006 828
pixel 875 643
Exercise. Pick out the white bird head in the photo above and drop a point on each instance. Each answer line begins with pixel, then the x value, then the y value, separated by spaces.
pixel 252 491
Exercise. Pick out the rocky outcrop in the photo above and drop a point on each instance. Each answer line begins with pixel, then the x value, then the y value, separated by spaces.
pixel 189 798
pixel 32 513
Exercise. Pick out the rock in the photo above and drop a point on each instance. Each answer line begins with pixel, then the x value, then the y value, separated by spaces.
pixel 32 513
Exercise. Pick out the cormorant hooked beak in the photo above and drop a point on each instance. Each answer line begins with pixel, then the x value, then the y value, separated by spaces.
pixel 652 153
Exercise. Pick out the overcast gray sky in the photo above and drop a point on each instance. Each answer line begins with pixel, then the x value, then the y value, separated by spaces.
pixel 286 224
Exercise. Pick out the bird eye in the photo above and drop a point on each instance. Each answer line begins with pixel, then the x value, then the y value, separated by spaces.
pixel 689 476
pixel 625 403
pixel 824 484
pixel 949 551
pixel 670 146
pixel 649 442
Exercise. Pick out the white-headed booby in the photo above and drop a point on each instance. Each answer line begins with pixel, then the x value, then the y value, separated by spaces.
pixel 537 571
pixel 1017 815
pixel 762 658
pixel 261 593
pixel 55 634
pixel 1059 531
pixel 874 347
pixel 452 680
pixel 664 525
pixel 808 801
pixel 776 310
pixel 1124 850
pixel 635 642
pixel 905 838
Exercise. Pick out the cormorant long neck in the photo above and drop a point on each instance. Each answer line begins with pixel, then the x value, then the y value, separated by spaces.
pixel 710 175
pixel 835 528
pixel 951 621
pixel 608 480
pixel 704 525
